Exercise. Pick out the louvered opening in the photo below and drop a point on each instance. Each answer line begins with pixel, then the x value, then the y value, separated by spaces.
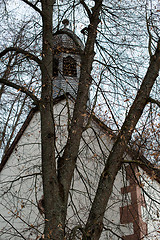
pixel 69 67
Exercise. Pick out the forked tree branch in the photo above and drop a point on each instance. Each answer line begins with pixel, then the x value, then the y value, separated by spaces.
pixel 21 89
pixel 33 6
pixel 154 101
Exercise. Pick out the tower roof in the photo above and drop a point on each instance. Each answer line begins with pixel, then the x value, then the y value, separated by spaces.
pixel 65 40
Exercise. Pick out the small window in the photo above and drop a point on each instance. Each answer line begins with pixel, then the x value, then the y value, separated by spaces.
pixel 69 67
pixel 55 67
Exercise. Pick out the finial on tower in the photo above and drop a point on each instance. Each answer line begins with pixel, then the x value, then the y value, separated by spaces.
pixel 65 22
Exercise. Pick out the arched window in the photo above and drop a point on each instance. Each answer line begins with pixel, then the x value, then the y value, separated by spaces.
pixel 69 67
pixel 55 67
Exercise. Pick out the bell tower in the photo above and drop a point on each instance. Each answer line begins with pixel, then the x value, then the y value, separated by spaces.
pixel 67 48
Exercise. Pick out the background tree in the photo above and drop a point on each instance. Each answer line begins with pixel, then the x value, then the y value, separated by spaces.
pixel 124 78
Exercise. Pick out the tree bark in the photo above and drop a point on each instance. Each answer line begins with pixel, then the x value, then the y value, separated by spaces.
pixel 52 201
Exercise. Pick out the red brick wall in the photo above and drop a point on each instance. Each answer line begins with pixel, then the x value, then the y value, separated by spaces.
pixel 132 212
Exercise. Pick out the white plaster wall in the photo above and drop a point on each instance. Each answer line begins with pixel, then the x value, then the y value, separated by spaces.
pixel 20 186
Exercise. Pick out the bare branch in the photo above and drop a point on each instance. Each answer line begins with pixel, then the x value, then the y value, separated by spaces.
pixel 22 51
pixel 86 8
pixel 20 88
pixel 154 101
pixel 150 37
pixel 33 6
pixel 12 226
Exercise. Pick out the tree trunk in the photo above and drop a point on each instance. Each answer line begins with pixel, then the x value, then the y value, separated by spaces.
pixel 66 164
pixel 54 224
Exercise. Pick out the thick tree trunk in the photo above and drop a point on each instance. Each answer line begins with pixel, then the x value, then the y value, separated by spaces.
pixel 94 225
pixel 52 201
